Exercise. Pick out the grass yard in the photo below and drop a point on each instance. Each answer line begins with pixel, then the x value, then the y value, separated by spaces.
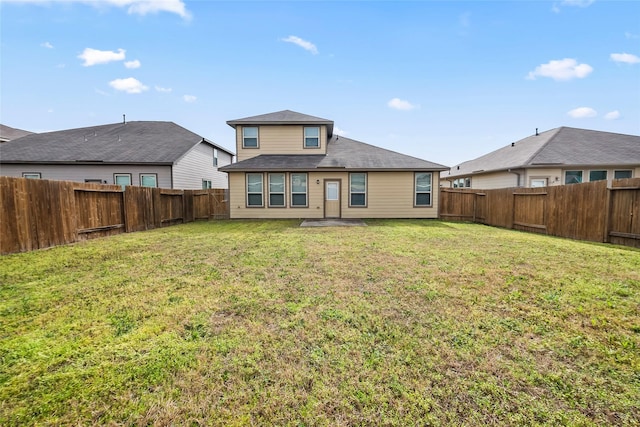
pixel 265 323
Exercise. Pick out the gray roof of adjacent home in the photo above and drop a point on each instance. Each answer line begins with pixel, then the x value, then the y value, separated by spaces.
pixel 284 117
pixel 122 143
pixel 560 147
pixel 7 133
pixel 342 154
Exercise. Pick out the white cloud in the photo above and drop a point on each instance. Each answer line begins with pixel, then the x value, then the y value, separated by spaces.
pixel 189 98
pixel 582 113
pixel 139 7
pixel 163 89
pixel 612 115
pixel 399 104
pixel 302 43
pixel 561 69
pixel 625 57
pixel 578 3
pixel 47 45
pixel 94 56
pixel 132 64
pixel 129 85
pixel 339 131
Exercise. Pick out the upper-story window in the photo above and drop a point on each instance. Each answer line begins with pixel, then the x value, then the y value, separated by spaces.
pixel 311 137
pixel 250 137
pixel 215 157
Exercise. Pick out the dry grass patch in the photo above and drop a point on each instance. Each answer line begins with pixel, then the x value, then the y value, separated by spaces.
pixel 250 322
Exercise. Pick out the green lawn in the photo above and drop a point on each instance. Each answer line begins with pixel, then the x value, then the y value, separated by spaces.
pixel 262 323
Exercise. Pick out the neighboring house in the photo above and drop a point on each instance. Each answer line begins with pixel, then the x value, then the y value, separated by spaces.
pixel 8 133
pixel 559 156
pixel 154 154
pixel 292 165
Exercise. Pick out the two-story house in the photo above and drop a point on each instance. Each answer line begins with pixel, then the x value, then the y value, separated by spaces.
pixel 292 165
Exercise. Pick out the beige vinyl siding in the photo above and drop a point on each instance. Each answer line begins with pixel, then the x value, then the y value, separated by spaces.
pixel 196 165
pixel 80 173
pixel 495 180
pixel 280 139
pixel 389 195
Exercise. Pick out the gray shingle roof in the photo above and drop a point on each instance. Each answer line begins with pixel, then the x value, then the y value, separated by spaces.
pixel 7 133
pixel 562 146
pixel 342 153
pixel 284 117
pixel 130 143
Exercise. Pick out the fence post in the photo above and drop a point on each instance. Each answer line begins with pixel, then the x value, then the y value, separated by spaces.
pixel 607 216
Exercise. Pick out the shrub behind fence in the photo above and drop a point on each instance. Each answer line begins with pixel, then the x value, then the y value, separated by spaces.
pixel 37 213
pixel 590 211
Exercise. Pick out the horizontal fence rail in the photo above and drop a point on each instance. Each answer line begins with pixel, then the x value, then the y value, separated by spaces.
pixel 37 213
pixel 591 211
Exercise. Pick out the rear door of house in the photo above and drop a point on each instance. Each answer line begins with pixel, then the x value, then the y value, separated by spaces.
pixel 332 199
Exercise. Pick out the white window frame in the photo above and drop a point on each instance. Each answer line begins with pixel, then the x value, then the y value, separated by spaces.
pixel 283 192
pixel 293 204
pixel 261 192
pixel 32 175
pixel 630 171
pixel 351 192
pixel 206 184
pixel 215 157
pixel 245 137
pixel 606 175
pixel 121 175
pixel 544 181
pixel 146 175
pixel 416 192
pixel 311 137
pixel 576 171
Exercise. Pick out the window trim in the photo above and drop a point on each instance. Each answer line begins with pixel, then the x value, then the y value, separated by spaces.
pixel 366 187
pixel 154 175
pixel 261 175
pixel 215 157
pixel 415 190
pixel 564 176
pixel 623 170
pixel 115 179
pixel 284 190
pixel 206 184
pixel 606 175
pixel 257 137
pixel 539 178
pixel 32 175
pixel 306 190
pixel 304 138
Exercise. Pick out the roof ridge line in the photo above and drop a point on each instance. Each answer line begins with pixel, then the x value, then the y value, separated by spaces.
pixel 557 131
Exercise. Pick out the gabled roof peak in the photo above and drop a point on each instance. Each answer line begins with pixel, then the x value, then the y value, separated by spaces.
pixel 284 117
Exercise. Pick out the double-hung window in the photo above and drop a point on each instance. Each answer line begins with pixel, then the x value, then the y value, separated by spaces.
pixel 358 189
pixel 254 190
pixel 215 157
pixel 311 137
pixel 299 189
pixel 250 137
pixel 206 184
pixel 423 189
pixel 276 190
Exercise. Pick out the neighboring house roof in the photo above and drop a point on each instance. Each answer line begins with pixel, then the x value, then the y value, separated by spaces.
pixel 121 143
pixel 342 153
pixel 285 117
pixel 560 147
pixel 8 133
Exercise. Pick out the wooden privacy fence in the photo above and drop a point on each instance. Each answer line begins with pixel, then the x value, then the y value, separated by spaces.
pixel 37 213
pixel 590 211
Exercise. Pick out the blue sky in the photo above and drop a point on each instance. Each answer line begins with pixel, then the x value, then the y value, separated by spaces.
pixel 446 81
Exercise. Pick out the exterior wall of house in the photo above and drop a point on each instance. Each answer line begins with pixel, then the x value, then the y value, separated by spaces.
pixel 554 176
pixel 389 195
pixel 196 166
pixel 280 139
pixel 81 173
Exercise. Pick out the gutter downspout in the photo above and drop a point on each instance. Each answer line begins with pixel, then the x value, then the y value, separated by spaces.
pixel 515 173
